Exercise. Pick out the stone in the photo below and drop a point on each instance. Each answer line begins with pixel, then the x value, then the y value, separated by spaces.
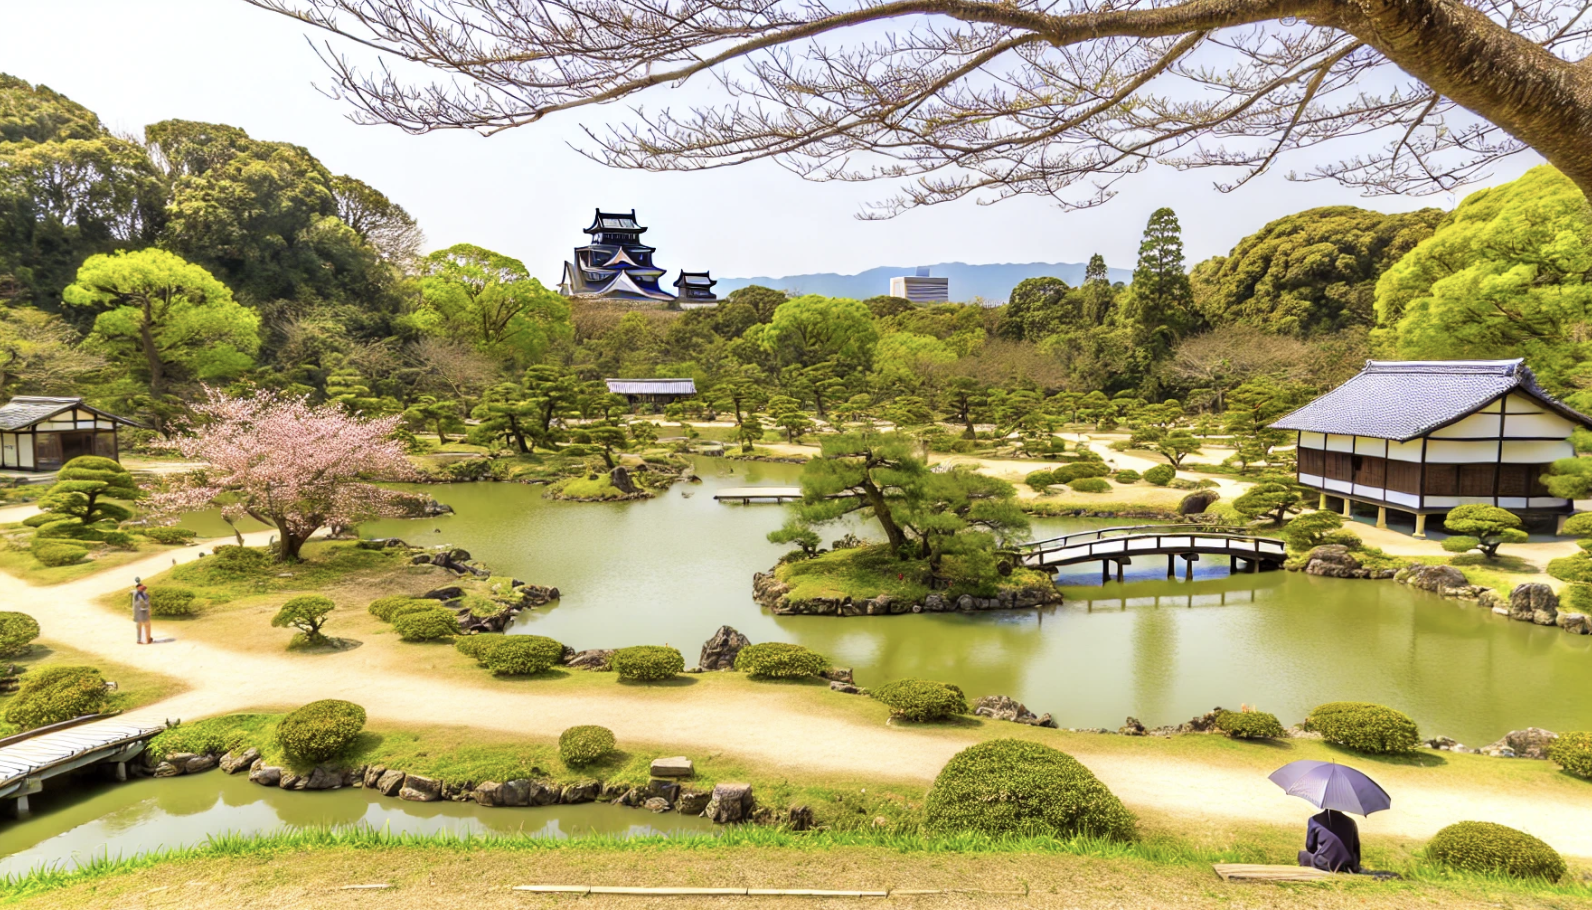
pixel 324 778
pixel 372 775
pixel 1530 601
pixel 612 791
pixel 1132 728
pixel 1000 707
pixel 1198 502
pixel 181 758
pixel 198 763
pixel 487 794
pixel 677 766
pixel 846 688
pixel 515 793
pixel 620 478
pixel 719 651
pixel 800 818
pixel 1437 579
pixel 583 792
pixel 1447 744
pixel 594 659
pixel 656 803
pixel 632 797
pixel 389 783
pixel 1531 742
pixel 730 804
pixel 233 762
pixel 166 769
pixel 667 789
pixel 838 674
pixel 451 592
pixel 965 602
pixel 542 793
pixel 692 802
pixel 420 789
pixel 265 775
pixel 1576 623
pixel 291 781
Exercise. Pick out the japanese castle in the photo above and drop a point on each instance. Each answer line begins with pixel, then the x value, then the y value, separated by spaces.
pixel 616 265
pixel 1422 437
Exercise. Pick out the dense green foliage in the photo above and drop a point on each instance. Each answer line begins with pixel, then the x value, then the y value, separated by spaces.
pixel 384 608
pixel 1573 752
pixel 920 699
pixel 1482 527
pixel 170 536
pixel 1364 727
pixel 479 645
pixel 779 660
pixel 307 613
pixel 78 505
pixel 1249 725
pixel 647 663
pixel 51 695
pixel 1310 530
pixel 167 600
pixel 431 623
pixel 521 655
pixel 1090 485
pixel 54 553
pixel 320 730
pixel 1493 849
pixel 1160 475
pixel 1008 787
pixel 586 744
pixel 17 632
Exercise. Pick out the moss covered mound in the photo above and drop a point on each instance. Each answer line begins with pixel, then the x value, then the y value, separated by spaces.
pixel 431 623
pixel 779 660
pixel 584 745
pixel 321 729
pixel 647 663
pixel 921 699
pixel 1249 725
pixel 56 694
pixel 1364 727
pixel 1494 850
pixel 522 655
pixel 1016 787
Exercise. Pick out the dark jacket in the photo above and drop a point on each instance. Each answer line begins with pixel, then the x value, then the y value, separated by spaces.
pixel 1332 843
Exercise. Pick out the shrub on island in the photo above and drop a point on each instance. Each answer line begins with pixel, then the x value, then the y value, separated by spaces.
pixel 428 624
pixel 647 663
pixel 164 601
pixel 1571 751
pixel 1364 727
pixel 170 536
pixel 1161 474
pixel 779 660
pixel 584 745
pixel 920 699
pixel 55 553
pixel 17 632
pixel 321 729
pixel 1492 849
pixel 55 694
pixel 1090 485
pixel 383 608
pixel 1014 787
pixel 521 655
pixel 1249 725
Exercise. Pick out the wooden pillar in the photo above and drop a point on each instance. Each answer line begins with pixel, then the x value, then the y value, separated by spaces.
pixel 1381 517
pixel 1188 566
pixel 1348 507
pixel 1171 565
pixel 1420 526
pixel 20 806
pixel 1558 526
pixel 1105 571
pixel 1232 563
pixel 1119 570
pixel 1321 506
pixel 1254 566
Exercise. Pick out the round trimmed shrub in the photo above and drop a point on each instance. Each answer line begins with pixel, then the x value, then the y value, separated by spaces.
pixel 920 699
pixel 647 663
pixel 1571 751
pixel 1038 481
pixel 1079 469
pixel 170 536
pixel 1090 485
pixel 56 694
pixel 522 655
pixel 1494 850
pixel 383 608
pixel 58 553
pixel 165 601
pixel 1015 787
pixel 321 729
pixel 241 560
pixel 430 624
pixel 1364 727
pixel 1249 725
pixel 1128 476
pixel 584 745
pixel 779 660
pixel 17 632
pixel 478 645
pixel 1160 475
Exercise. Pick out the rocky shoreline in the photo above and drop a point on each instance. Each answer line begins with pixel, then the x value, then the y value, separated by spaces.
pixel 773 595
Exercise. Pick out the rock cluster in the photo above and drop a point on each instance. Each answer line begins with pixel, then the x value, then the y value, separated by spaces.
pixel 719 652
pixel 1001 707
pixel 1531 742
pixel 1532 602
pixel 591 659
pixel 774 595
pixel 1338 561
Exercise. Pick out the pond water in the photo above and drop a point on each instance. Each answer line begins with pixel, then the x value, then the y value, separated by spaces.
pixel 673 569
pixel 75 821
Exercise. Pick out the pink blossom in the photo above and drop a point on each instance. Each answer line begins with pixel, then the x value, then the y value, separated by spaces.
pixel 286 463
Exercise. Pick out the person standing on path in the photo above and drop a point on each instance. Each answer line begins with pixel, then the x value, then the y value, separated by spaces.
pixel 141 613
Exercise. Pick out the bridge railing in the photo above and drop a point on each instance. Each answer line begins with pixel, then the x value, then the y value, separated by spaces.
pixel 1129 545
pixel 1067 540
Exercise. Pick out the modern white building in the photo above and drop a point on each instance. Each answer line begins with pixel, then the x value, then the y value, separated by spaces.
pixel 921 288
pixel 1425 436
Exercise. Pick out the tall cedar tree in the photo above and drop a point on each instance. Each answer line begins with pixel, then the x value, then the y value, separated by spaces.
pixel 1163 299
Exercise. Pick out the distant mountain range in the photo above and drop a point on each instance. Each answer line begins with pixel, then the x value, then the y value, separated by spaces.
pixel 993 282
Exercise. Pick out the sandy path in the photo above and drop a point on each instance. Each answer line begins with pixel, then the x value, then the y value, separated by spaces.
pixel 765 727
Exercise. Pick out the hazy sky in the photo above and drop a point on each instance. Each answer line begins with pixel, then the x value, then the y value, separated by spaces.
pixel 526 193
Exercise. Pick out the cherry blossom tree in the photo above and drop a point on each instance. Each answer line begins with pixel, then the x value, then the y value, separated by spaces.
pixel 285 463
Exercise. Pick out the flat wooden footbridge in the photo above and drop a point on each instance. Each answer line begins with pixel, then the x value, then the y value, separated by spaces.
pixel 28 759
pixel 1120 545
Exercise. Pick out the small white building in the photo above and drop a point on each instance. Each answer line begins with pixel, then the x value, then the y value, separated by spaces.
pixel 40 433
pixel 921 288
pixel 1425 436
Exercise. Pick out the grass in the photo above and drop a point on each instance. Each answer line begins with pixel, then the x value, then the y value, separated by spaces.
pixel 1051 508
pixel 585 487
pixel 324 563
pixel 22 564
pixel 134 687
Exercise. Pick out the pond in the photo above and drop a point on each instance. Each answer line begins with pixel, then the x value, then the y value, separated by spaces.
pixel 75 821
pixel 673 569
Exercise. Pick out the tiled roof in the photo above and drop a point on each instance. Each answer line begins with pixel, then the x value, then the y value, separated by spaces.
pixel 614 221
pixel 27 410
pixel 652 386
pixel 1400 400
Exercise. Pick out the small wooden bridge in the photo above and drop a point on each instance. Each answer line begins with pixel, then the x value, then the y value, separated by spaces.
pixel 745 495
pixel 27 759
pixel 1117 546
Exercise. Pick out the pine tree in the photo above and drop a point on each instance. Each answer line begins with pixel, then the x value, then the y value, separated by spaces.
pixel 1097 293
pixel 1163 299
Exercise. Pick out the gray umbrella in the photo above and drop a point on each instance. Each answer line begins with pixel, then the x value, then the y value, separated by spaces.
pixel 1330 785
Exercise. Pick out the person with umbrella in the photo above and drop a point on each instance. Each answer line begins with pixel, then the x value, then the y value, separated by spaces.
pixel 1332 840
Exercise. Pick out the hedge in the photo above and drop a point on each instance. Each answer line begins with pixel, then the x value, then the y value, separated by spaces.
pixel 1038 481
pixel 431 624
pixel 1249 725
pixel 1571 751
pixel 178 536
pixel 1364 727
pixel 920 699
pixel 647 663
pixel 321 729
pixel 584 745
pixel 478 645
pixel 1494 850
pixel 1128 476
pixel 1160 475
pixel 1090 485
pixel 58 553
pixel 1081 469
pixel 1014 787
pixel 383 608
pixel 17 632
pixel 171 602
pixel 779 660
pixel 522 655
pixel 56 694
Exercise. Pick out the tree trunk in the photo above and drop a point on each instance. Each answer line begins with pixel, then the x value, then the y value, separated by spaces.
pixel 881 511
pixel 146 340
pixel 442 438
pixel 290 545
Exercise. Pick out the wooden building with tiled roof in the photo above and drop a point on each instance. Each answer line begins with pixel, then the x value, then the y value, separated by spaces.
pixel 42 433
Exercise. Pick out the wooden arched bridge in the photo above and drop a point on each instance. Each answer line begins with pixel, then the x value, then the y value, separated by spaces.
pixel 26 759
pixel 1118 546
